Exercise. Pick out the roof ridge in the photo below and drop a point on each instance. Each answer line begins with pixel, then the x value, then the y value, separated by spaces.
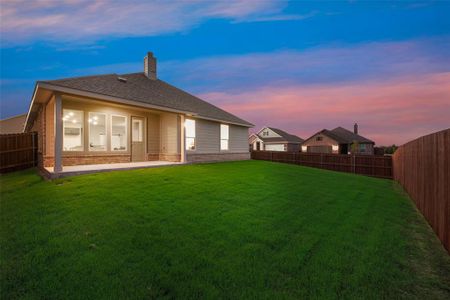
pixel 77 77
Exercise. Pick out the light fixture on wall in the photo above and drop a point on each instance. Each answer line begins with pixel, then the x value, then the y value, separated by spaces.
pixel 335 147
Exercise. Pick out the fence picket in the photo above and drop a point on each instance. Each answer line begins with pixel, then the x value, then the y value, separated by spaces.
pixel 18 151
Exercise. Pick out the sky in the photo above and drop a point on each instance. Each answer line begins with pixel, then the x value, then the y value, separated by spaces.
pixel 297 66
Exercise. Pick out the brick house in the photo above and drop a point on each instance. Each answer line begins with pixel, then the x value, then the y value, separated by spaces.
pixel 134 117
pixel 274 139
pixel 338 141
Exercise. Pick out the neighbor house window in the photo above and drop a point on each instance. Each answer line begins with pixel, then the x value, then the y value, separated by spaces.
pixel 190 134
pixel 118 133
pixel 97 131
pixel 319 138
pixel 362 148
pixel 73 130
pixel 224 136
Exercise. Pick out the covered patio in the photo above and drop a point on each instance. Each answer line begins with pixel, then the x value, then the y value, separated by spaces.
pixel 96 168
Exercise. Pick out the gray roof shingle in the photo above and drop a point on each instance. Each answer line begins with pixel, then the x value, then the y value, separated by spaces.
pixel 285 137
pixel 139 88
pixel 349 136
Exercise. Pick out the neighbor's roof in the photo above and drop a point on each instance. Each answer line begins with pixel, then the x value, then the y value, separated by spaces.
pixel 349 136
pixel 139 88
pixel 12 124
pixel 285 137
pixel 343 136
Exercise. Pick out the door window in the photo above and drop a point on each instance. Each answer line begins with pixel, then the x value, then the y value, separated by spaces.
pixel 138 130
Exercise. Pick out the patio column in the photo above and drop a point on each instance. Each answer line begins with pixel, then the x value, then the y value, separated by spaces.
pixel 183 140
pixel 57 167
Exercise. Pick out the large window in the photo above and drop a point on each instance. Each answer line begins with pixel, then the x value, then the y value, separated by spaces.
pixel 190 134
pixel 73 130
pixel 224 136
pixel 118 133
pixel 97 131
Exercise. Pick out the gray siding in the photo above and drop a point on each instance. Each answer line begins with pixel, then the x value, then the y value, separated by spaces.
pixel 153 131
pixel 208 138
pixel 238 139
pixel 169 133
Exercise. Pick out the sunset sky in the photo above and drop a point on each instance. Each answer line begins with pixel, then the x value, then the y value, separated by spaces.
pixel 300 66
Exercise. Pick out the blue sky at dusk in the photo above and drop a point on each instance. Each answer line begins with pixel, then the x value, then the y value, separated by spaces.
pixel 299 66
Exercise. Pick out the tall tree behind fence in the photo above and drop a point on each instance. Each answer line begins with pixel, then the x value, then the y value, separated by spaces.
pixel 422 167
pixel 377 166
pixel 18 151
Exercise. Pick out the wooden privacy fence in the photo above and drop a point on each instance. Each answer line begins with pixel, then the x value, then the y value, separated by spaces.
pixel 18 151
pixel 377 166
pixel 422 167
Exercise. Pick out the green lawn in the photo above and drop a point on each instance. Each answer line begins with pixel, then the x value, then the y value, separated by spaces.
pixel 231 230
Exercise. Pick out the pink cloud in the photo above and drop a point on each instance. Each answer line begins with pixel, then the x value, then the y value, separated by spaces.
pixel 391 111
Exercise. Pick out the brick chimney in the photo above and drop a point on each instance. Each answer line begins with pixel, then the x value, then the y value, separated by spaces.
pixel 355 128
pixel 150 66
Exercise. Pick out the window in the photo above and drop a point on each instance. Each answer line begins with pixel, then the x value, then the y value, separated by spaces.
pixel 138 129
pixel 224 136
pixel 362 148
pixel 118 133
pixel 285 147
pixel 190 134
pixel 97 131
pixel 73 130
pixel 319 138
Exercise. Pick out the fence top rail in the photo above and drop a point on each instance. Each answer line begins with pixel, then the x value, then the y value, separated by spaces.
pixel 325 154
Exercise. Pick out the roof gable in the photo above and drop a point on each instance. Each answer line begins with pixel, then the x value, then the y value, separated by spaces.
pixel 279 136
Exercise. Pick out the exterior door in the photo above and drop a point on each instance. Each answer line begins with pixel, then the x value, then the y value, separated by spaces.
pixel 137 139
pixel 258 146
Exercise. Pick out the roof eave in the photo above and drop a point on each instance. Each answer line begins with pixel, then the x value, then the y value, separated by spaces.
pixel 78 92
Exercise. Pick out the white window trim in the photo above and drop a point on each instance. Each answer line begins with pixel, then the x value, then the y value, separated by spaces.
pixel 186 136
pixel 222 139
pixel 83 146
pixel 89 131
pixel 111 133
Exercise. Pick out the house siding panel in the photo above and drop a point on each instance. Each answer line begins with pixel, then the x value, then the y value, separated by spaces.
pixel 207 136
pixel 238 139
pixel 153 135
pixel 169 134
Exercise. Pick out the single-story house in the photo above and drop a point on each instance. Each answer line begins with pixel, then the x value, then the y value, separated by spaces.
pixel 13 124
pixel 135 117
pixel 274 139
pixel 338 141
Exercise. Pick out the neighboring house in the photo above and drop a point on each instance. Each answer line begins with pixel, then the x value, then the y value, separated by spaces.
pixel 131 117
pixel 339 141
pixel 273 139
pixel 13 124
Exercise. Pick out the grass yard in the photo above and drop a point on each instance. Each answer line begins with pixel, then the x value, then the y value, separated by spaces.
pixel 229 230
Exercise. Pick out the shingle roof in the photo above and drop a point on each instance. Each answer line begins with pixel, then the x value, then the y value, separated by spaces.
pixel 349 136
pixel 285 137
pixel 137 87
pixel 343 136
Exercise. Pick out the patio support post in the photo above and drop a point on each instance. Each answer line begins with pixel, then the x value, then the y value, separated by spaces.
pixel 57 167
pixel 183 140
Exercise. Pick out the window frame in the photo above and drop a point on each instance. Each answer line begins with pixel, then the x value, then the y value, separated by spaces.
pixel 227 139
pixel 83 148
pixel 190 137
pixel 111 132
pixel 106 131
